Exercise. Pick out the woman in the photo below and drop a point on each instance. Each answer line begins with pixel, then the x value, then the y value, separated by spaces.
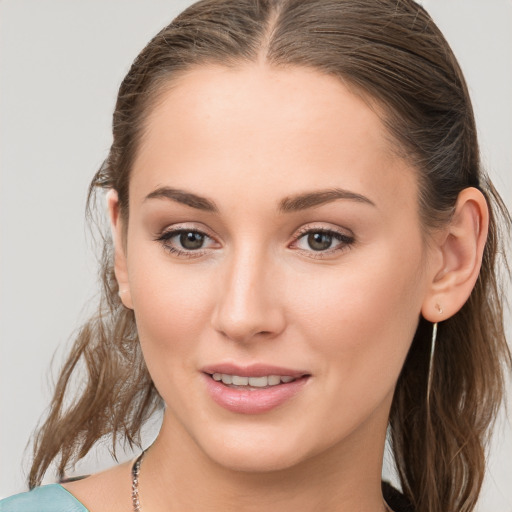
pixel 304 253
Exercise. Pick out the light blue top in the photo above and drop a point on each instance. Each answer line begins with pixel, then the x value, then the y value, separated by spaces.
pixel 47 498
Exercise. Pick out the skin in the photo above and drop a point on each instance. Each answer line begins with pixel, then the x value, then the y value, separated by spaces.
pixel 247 139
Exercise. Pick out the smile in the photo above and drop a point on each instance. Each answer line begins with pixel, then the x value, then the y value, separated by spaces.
pixel 264 381
pixel 253 394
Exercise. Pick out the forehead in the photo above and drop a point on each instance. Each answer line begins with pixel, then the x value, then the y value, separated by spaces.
pixel 263 127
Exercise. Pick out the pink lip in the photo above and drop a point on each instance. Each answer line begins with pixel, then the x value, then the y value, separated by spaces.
pixel 252 370
pixel 253 400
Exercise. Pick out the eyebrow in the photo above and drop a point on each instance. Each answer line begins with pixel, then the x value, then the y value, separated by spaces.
pixel 287 205
pixel 187 198
pixel 320 197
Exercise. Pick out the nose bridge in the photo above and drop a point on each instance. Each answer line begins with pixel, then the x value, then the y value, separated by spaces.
pixel 247 303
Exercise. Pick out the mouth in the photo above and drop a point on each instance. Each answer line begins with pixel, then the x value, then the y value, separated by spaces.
pixel 252 382
pixel 253 390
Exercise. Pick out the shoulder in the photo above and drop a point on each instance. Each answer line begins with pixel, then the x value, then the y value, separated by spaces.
pixel 47 498
pixel 107 491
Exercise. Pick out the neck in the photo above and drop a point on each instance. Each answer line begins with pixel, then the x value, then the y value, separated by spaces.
pixel 177 475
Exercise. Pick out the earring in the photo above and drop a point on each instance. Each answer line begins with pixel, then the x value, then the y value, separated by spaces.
pixel 431 362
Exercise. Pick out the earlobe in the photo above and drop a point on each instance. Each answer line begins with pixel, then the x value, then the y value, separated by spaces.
pixel 120 263
pixel 460 247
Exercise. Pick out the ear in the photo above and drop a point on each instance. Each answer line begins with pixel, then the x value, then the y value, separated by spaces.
pixel 120 263
pixel 459 248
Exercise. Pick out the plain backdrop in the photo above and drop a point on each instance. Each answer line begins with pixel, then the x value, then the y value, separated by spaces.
pixel 61 63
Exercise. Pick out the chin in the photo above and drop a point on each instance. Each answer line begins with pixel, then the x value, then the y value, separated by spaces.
pixel 257 461
pixel 257 449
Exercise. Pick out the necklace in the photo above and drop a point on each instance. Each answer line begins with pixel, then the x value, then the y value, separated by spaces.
pixel 135 485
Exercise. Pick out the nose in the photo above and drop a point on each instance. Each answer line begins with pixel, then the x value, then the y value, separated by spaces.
pixel 249 304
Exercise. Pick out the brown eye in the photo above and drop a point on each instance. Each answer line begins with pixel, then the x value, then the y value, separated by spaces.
pixel 191 240
pixel 322 242
pixel 186 242
pixel 319 241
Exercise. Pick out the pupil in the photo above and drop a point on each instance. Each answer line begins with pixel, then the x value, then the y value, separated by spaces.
pixel 191 240
pixel 319 241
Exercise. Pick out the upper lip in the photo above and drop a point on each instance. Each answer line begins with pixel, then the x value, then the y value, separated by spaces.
pixel 253 370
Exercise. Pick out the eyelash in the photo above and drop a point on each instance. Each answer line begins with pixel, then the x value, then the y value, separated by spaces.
pixel 166 236
pixel 346 241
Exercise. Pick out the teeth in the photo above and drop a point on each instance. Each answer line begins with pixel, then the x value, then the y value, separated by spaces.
pixel 258 382
pixel 273 380
pixel 255 382
pixel 227 379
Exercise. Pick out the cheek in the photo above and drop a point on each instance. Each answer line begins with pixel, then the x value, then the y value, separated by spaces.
pixel 363 315
pixel 172 305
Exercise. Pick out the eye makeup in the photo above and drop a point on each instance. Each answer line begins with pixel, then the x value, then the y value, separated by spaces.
pixel 312 241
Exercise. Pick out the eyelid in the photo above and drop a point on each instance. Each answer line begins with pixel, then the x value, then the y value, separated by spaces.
pixel 325 229
pixel 169 232
pixel 186 226
pixel 343 235
pixel 347 239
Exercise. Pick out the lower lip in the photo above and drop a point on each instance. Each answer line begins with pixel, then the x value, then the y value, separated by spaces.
pixel 252 401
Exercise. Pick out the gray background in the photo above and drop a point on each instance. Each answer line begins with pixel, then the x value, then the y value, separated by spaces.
pixel 61 63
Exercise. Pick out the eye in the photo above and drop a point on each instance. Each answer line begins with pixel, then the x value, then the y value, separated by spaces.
pixel 191 240
pixel 319 241
pixel 185 242
pixel 322 241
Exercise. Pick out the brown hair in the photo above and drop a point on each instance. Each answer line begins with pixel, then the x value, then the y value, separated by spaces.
pixel 391 53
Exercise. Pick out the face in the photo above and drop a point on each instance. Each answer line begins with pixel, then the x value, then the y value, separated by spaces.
pixel 275 264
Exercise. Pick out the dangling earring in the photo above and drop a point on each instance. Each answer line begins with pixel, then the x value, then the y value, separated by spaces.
pixel 431 363
pixel 432 352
